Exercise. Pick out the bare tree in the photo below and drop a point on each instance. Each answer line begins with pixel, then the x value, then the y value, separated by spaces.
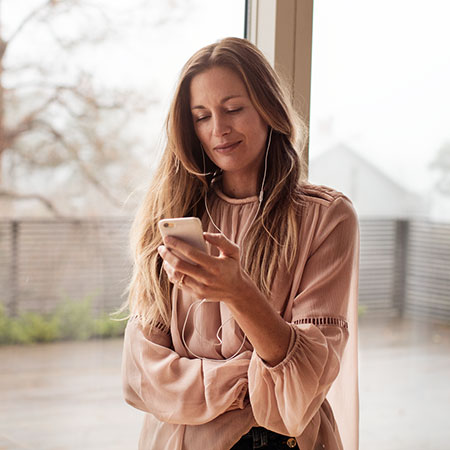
pixel 52 113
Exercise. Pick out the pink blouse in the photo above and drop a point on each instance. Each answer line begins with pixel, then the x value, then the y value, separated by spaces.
pixel 193 403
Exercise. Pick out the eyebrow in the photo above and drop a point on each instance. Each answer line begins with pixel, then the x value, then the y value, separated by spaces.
pixel 224 100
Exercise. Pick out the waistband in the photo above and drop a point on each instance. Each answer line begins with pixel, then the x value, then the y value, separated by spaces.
pixel 262 437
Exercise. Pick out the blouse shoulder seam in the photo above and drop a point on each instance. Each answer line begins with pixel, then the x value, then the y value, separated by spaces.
pixel 322 195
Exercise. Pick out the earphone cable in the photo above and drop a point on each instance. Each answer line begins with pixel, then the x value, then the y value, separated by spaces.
pixel 260 200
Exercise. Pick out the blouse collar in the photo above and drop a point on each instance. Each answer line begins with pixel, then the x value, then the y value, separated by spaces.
pixel 216 185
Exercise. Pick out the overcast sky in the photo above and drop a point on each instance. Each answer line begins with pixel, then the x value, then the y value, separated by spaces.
pixel 380 80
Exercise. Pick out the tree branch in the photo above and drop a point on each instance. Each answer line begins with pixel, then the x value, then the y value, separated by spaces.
pixel 88 173
pixel 45 201
pixel 27 123
pixel 28 18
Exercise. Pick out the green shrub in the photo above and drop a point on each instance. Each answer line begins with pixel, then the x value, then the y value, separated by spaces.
pixel 106 326
pixel 34 327
pixel 5 326
pixel 75 319
pixel 362 309
pixel 72 320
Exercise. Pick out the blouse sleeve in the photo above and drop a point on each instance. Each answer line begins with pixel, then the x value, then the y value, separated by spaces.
pixel 285 398
pixel 177 389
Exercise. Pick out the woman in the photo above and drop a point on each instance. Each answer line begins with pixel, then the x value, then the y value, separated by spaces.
pixel 250 365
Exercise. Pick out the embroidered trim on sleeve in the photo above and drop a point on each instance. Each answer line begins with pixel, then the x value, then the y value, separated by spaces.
pixel 322 321
pixel 159 326
pixel 162 327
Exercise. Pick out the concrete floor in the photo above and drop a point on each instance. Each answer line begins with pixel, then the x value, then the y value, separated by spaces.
pixel 65 396
pixel 68 395
pixel 404 385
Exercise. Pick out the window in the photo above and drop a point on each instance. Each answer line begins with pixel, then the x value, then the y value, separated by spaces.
pixel 379 133
pixel 85 90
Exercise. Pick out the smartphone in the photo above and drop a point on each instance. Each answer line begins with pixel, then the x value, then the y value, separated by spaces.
pixel 188 229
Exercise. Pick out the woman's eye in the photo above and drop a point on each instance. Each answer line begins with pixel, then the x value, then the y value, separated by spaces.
pixel 234 110
pixel 199 119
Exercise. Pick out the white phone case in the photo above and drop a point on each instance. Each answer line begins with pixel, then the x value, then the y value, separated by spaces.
pixel 188 229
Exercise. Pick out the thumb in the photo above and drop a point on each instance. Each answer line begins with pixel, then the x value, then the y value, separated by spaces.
pixel 226 247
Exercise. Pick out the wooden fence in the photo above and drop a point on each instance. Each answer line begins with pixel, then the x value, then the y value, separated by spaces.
pixel 428 271
pixel 43 262
pixel 405 266
pixel 379 271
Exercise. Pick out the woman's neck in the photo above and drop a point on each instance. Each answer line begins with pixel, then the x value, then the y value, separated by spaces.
pixel 236 186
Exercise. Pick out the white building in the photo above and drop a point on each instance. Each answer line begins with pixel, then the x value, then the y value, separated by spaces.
pixel 373 193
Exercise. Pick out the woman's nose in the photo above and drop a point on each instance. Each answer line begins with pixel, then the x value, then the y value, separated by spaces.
pixel 221 126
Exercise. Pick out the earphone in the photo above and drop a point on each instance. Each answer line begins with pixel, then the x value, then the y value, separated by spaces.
pixel 260 200
pixel 217 334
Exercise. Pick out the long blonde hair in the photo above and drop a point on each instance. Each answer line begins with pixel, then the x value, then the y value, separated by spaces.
pixel 180 183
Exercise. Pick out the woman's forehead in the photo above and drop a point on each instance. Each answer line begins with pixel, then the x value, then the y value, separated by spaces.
pixel 218 84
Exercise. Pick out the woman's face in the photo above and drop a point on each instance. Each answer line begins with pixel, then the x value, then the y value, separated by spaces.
pixel 227 124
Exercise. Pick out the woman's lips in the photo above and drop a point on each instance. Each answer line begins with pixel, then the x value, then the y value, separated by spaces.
pixel 226 148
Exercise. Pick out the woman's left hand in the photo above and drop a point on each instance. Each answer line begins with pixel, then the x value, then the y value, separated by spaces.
pixel 216 278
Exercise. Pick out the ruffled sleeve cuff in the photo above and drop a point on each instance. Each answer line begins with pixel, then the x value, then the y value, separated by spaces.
pixel 285 397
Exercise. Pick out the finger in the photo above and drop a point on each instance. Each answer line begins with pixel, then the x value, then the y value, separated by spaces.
pixel 173 263
pixel 186 250
pixel 170 272
pixel 181 281
pixel 198 289
pixel 177 278
pixel 193 285
pixel 219 240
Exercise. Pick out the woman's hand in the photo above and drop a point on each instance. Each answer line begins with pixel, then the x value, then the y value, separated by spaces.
pixel 217 278
pixel 221 278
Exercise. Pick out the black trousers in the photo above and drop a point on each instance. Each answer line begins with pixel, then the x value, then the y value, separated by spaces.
pixel 259 437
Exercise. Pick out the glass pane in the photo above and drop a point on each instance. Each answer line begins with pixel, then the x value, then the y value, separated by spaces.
pixel 84 90
pixel 379 133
